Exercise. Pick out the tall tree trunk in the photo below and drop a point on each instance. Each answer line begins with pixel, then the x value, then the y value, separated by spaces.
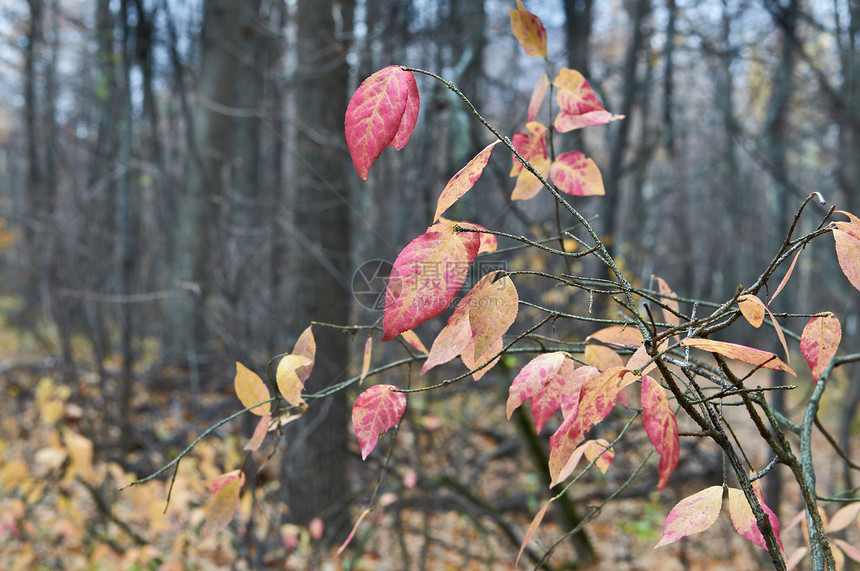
pixel 316 463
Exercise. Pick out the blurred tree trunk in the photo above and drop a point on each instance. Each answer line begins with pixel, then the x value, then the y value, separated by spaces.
pixel 315 465
pixel 209 154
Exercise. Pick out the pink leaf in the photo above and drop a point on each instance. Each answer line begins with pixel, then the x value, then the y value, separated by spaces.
pixel 573 173
pixel 251 390
pixel 348 539
pixel 382 112
pixel 847 237
pixel 819 342
pixel 693 514
pixel 537 96
pixel 529 31
pixel 305 346
pixel 464 180
pixel 481 318
pixel 661 426
pixel 596 400
pixel 844 517
pixel 530 146
pixel 365 365
pixel 578 103
pixel 533 526
pixel 543 380
pixel 424 280
pixel 852 552
pixel 259 433
pixel 376 410
pixel 743 353
pixel 600 452
pixel 411 338
pixel 744 521
pixel 487 244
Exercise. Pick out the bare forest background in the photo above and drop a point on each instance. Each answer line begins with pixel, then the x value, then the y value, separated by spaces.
pixel 176 192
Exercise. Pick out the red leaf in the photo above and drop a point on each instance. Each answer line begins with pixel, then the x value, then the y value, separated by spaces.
pixel 251 389
pixel 819 342
pixel 464 180
pixel 693 514
pixel 225 489
pixel 529 31
pixel 744 521
pixel 382 112
pixel 596 400
pixel 543 380
pixel 530 146
pixel 537 96
pixel 425 279
pixel 578 103
pixel 573 173
pixel 365 365
pixel 743 353
pixel 533 526
pixel 375 411
pixel 481 318
pixel 661 426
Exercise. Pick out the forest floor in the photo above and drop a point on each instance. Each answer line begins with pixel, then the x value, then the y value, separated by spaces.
pixel 459 492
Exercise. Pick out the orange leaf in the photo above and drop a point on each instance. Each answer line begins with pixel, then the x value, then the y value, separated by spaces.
pixel 785 277
pixel 251 390
pixel 693 514
pixel 376 410
pixel 464 180
pixel 473 361
pixel 573 173
pixel 411 338
pixel 382 112
pixel 579 105
pixel 365 365
pixel 600 452
pixel 533 526
pixel 743 353
pixel 601 358
pixel 528 185
pixel 661 426
pixel 537 96
pixel 225 489
pixel 819 342
pixel 529 31
pixel 752 309
pixel 618 335
pixel 844 517
pixel 289 383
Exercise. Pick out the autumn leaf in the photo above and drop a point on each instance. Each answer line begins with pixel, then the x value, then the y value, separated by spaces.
pixel 596 400
pixel 365 364
pixel 487 242
pixel 305 346
pixel 617 335
pixel 743 353
pixel 537 96
pixel 425 279
pixel 819 342
pixel 251 390
pixel 661 426
pixel 844 517
pixel 382 112
pixel 528 185
pixel 752 309
pixel 376 410
pixel 693 514
pixel 575 174
pixel 542 380
pixel 473 361
pixel 412 338
pixel 531 146
pixel 744 520
pixel 785 277
pixel 578 103
pixel 349 537
pixel 464 180
pixel 529 31
pixel 225 491
pixel 289 383
pixel 600 452
pixel 600 357
pixel 533 526
pixel 847 238
pixel 259 433
pixel 482 317
pixel 670 316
